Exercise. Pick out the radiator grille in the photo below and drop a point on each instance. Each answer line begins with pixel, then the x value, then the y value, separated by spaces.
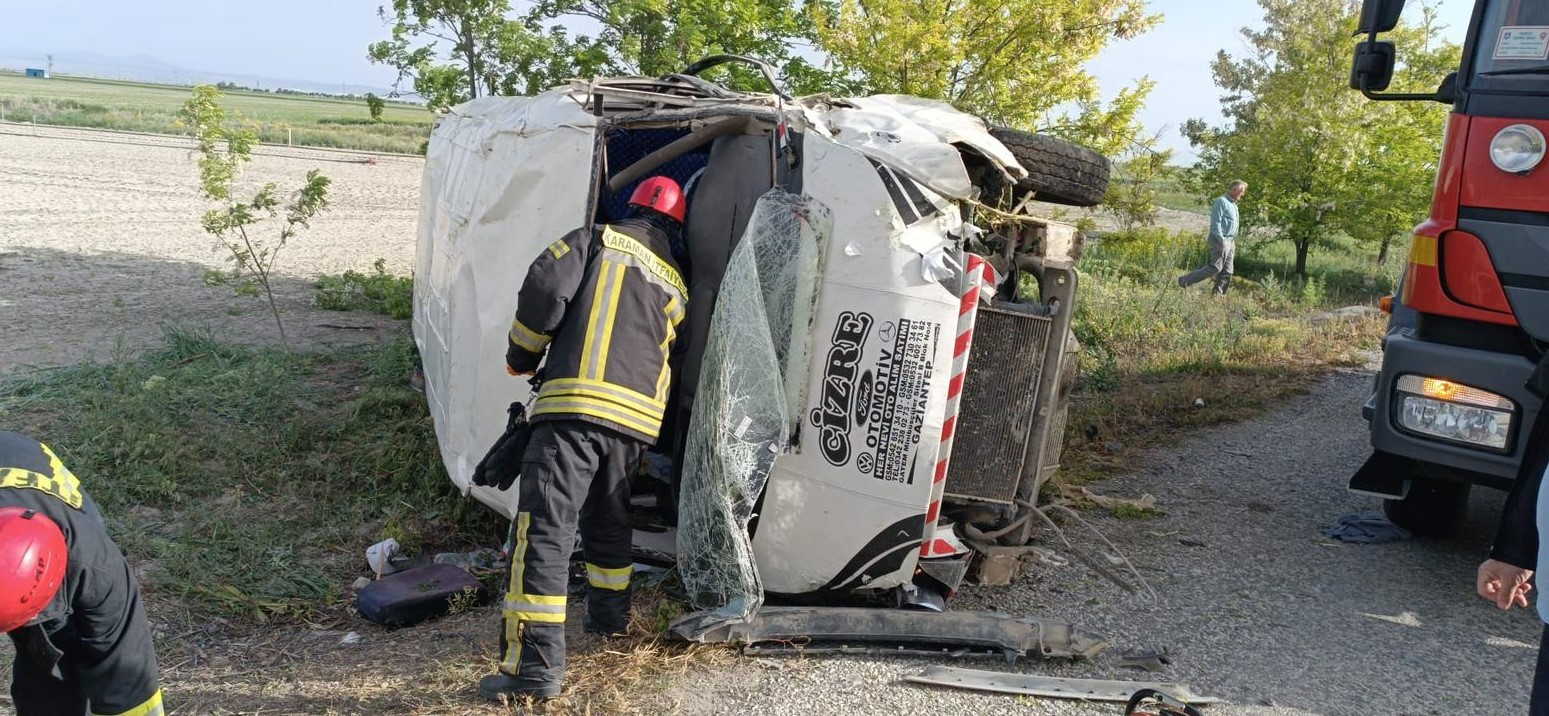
pixel 995 413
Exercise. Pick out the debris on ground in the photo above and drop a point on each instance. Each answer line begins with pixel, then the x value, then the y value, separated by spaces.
pixel 481 559
pixel 1049 686
pixel 1150 658
pixel 893 631
pixel 1368 528
pixel 380 556
pixel 1151 702
pixel 1144 503
pixel 417 594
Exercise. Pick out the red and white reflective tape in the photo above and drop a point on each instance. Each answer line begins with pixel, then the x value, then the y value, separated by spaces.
pixel 978 277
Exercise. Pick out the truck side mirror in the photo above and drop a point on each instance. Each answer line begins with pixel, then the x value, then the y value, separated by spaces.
pixel 1447 93
pixel 1372 69
pixel 1380 15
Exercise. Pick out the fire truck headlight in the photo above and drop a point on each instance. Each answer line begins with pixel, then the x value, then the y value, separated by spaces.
pixel 1449 411
pixel 1517 148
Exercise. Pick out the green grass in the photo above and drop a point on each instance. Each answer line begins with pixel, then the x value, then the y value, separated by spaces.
pixel 133 106
pixel 252 479
pixel 1150 349
pixel 377 292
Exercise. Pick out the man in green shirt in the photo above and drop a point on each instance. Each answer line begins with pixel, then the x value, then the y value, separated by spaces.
pixel 1223 240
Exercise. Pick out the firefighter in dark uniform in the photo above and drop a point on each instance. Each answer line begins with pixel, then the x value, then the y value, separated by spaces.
pixel 68 598
pixel 604 303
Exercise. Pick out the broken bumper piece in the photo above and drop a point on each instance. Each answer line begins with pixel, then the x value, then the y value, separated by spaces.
pixel 818 626
pixel 1050 686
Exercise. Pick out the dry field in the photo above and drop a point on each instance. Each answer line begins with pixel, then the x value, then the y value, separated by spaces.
pixel 100 243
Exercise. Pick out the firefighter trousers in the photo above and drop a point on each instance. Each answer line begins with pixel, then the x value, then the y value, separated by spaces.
pixel 574 474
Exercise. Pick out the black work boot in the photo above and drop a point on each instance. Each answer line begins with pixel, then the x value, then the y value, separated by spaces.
pixel 607 611
pixel 540 669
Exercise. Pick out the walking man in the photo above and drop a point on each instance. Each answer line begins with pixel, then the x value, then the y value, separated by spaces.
pixel 604 303
pixel 68 598
pixel 1223 241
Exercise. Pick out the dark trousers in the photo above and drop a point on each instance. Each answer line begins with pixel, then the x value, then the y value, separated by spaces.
pixel 574 475
pixel 1538 705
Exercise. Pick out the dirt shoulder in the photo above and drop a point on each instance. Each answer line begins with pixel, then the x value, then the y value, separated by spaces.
pixel 100 244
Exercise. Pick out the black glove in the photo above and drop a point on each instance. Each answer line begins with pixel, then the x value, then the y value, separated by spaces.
pixel 503 463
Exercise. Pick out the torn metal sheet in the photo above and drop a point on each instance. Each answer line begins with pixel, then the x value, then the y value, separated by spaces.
pixel 1049 686
pixel 987 630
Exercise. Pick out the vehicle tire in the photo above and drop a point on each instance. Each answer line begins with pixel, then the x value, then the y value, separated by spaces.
pixel 1058 172
pixel 1433 508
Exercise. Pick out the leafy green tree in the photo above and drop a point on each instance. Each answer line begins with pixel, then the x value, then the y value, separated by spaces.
pixel 1319 157
pixel 374 105
pixel 656 37
pixel 1132 194
pixel 425 33
pixel 224 145
pixel 1019 63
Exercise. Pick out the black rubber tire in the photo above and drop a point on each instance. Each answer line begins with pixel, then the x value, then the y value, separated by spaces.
pixel 1433 508
pixel 1058 172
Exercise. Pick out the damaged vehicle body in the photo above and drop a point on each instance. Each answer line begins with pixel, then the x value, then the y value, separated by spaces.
pixel 878 352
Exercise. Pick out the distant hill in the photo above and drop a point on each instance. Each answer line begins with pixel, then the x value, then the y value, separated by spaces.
pixel 147 68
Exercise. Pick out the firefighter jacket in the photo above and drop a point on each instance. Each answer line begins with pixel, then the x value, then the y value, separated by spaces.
pixel 605 303
pixel 94 635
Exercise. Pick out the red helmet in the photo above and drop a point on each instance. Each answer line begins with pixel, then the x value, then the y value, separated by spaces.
pixel 660 194
pixel 32 565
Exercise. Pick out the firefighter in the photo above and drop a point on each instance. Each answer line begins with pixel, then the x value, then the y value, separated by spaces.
pixel 604 303
pixel 68 598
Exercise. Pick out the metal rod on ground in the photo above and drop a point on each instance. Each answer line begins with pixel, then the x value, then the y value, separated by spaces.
pixel 1080 554
pixel 1077 517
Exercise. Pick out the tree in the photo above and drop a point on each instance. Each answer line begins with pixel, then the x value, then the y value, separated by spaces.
pixel 1319 157
pixel 654 38
pixel 474 33
pixel 1133 192
pixel 1019 63
pixel 374 105
pixel 223 147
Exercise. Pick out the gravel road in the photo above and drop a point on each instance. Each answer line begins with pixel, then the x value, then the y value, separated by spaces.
pixel 1257 607
pixel 100 244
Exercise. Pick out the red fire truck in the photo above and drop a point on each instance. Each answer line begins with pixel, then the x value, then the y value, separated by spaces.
pixel 1449 409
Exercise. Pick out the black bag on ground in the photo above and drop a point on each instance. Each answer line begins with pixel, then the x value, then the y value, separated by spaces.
pixel 503 463
pixel 414 595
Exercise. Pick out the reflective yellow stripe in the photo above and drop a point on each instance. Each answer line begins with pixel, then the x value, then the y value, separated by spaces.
pixel 535 608
pixel 527 338
pixel 519 617
pixel 605 300
pixel 513 624
pixel 664 378
pixel 606 411
pixel 151 707
pixel 599 389
pixel 61 483
pixel 602 401
pixel 674 310
pixel 531 599
pixel 616 579
pixel 647 258
pixel 559 249
pixel 609 317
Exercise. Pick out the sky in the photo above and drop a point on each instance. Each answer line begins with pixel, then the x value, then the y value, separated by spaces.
pixel 325 41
